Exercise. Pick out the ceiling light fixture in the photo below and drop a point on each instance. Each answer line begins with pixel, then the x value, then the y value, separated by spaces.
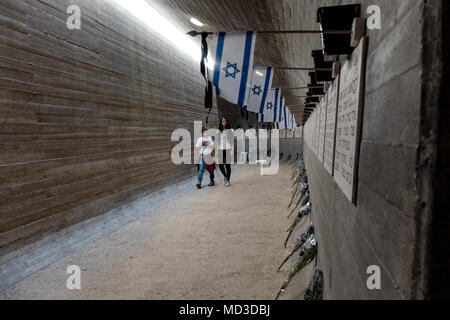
pixel 153 19
pixel 196 22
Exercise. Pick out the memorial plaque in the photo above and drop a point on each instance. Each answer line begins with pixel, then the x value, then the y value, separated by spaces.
pixel 311 131
pixel 322 127
pixel 330 135
pixel 315 132
pixel 349 116
pixel 308 132
pixel 316 143
pixel 313 138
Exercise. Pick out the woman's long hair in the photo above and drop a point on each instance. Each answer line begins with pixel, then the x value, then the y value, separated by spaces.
pixel 221 128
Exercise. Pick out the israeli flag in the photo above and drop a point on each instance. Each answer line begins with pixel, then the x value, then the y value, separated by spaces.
pixel 231 72
pixel 267 114
pixel 259 90
pixel 287 121
pixel 274 103
pixel 293 123
pixel 282 110
pixel 290 122
pixel 282 123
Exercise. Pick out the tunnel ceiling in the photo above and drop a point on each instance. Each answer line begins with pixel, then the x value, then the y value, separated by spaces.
pixel 271 50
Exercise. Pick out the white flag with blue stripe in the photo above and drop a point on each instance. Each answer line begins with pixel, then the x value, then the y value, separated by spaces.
pixel 289 119
pixel 259 90
pixel 293 123
pixel 232 70
pixel 282 123
pixel 279 124
pixel 267 114
pixel 269 107
pixel 273 103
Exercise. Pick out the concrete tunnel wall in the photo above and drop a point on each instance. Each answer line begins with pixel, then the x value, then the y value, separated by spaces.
pixel 386 228
pixel 87 115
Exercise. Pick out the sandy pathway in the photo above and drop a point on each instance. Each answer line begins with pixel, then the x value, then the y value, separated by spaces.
pixel 217 243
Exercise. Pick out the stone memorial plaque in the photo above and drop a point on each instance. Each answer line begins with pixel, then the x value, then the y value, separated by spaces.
pixel 308 132
pixel 322 127
pixel 313 125
pixel 330 134
pixel 349 117
pixel 313 119
pixel 316 143
pixel 311 129
pixel 316 131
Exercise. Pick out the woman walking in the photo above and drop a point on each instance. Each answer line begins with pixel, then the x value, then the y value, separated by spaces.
pixel 226 150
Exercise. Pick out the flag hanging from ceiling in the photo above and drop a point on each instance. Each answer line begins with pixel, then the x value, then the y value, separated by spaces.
pixel 293 123
pixel 259 90
pixel 290 123
pixel 280 115
pixel 287 121
pixel 232 70
pixel 282 123
pixel 272 107
pixel 274 103
pixel 282 110
pixel 267 114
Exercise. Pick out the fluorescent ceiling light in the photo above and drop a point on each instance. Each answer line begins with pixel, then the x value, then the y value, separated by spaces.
pixel 153 19
pixel 196 22
pixel 259 73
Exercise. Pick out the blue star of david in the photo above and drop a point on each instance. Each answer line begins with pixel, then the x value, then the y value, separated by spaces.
pixel 231 74
pixel 257 90
pixel 269 106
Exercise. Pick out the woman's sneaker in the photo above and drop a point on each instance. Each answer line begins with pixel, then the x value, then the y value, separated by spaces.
pixel 199 185
pixel 225 182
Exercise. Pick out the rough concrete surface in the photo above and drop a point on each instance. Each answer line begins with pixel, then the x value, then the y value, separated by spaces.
pixel 213 243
